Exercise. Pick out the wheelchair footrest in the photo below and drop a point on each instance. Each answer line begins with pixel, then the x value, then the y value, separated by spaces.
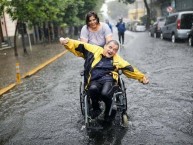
pixel 94 126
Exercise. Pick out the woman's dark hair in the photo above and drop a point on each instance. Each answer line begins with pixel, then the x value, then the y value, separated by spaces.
pixel 89 14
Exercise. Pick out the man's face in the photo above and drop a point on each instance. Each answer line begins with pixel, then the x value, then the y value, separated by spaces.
pixel 110 50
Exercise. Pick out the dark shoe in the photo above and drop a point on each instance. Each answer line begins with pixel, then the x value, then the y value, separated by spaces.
pixel 95 113
pixel 110 118
pixel 113 113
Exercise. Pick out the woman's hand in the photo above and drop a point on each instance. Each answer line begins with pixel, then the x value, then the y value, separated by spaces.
pixel 64 41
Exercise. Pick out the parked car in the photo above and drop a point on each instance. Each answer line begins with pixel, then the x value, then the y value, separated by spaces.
pixel 177 26
pixel 190 37
pixel 132 24
pixel 139 27
pixel 155 29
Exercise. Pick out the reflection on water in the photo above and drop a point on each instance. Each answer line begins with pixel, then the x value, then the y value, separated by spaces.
pixel 111 134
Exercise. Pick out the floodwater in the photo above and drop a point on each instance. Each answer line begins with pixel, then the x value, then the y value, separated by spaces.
pixel 45 108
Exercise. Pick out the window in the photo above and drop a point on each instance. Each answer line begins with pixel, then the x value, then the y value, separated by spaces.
pixel 186 21
pixel 171 19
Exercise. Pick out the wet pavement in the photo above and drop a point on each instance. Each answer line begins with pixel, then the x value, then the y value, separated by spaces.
pixel 36 56
pixel 45 108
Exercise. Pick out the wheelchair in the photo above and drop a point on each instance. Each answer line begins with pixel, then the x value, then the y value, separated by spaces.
pixel 119 102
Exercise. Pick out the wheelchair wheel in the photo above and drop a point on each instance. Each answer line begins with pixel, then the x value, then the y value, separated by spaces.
pixel 87 107
pixel 82 106
pixel 123 88
pixel 125 121
pixel 82 95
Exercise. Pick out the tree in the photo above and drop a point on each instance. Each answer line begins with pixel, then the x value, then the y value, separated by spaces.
pixel 88 5
pixel 42 12
pixel 1 12
pixel 148 14
pixel 24 11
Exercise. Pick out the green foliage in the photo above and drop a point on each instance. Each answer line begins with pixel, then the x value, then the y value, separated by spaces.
pixel 2 3
pixel 71 12
pixel 144 19
pixel 35 11
pixel 88 5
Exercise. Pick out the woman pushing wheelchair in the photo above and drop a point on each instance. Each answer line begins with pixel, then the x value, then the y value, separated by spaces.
pixel 101 71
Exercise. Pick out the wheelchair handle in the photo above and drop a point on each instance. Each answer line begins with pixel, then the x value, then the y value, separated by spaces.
pixel 120 72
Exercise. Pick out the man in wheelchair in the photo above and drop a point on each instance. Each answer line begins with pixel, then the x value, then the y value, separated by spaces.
pixel 101 71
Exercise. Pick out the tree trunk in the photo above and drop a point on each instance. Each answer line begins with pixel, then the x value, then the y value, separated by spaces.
pixel 37 35
pixel 15 45
pixel 23 37
pixel 50 32
pixel 23 43
pixel 148 14
pixel 0 42
pixel 1 39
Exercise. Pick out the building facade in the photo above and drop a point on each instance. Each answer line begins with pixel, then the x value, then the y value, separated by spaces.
pixel 136 10
pixel 184 5
pixel 177 6
pixel 7 28
pixel 7 32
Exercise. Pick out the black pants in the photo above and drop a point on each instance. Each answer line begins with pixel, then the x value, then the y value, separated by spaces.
pixel 121 37
pixel 100 91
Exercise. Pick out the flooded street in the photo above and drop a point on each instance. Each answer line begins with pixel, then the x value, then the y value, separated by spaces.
pixel 45 108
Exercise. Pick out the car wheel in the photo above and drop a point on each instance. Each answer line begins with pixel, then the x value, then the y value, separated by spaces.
pixel 190 41
pixel 161 36
pixel 173 38
pixel 154 35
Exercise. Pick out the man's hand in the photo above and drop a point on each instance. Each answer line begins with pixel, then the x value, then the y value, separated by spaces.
pixel 64 41
pixel 145 80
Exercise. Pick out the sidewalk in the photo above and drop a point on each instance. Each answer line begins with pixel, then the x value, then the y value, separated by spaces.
pixel 38 57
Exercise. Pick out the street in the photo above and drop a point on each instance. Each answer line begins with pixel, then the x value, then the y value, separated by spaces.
pixel 45 108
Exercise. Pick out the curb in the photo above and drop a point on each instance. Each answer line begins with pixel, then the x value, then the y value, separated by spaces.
pixel 33 71
pixel 6 89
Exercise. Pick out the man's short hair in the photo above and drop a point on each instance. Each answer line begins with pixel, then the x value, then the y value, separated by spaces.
pixel 114 41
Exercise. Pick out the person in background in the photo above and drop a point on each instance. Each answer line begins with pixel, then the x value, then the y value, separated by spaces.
pixel 109 24
pixel 121 31
pixel 95 32
pixel 102 66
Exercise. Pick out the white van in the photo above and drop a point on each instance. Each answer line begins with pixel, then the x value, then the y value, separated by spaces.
pixel 177 26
